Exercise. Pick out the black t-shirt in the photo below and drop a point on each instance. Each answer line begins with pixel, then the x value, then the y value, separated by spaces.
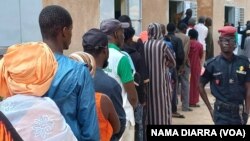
pixel 136 53
pixel 110 87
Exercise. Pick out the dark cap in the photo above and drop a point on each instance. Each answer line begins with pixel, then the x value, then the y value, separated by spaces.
pixel 109 26
pixel 227 31
pixel 94 39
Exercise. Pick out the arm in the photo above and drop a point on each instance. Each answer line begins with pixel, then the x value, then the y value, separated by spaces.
pixel 125 74
pixel 247 85
pixel 180 55
pixel 201 52
pixel 205 98
pixel 204 79
pixel 186 51
pixel 87 116
pixel 143 69
pixel 110 113
pixel 132 93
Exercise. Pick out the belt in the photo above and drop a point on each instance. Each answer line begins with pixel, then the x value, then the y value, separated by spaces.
pixel 239 108
pixel 233 107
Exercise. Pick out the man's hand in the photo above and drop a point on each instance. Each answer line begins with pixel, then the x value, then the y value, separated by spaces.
pixel 211 111
pixel 245 118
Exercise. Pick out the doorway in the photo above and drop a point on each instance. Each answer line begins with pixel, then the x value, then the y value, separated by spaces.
pixel 229 15
pixel 176 11
pixel 116 8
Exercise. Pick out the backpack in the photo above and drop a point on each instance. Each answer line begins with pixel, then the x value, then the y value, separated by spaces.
pixel 167 41
pixel 177 49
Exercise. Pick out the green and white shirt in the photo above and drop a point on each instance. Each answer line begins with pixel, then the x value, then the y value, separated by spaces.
pixel 119 68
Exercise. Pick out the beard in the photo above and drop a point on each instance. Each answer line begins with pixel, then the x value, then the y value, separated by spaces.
pixel 105 64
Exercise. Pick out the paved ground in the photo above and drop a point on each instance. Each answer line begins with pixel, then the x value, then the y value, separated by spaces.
pixel 199 116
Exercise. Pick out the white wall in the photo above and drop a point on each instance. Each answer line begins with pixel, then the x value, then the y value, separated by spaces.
pixel 19 21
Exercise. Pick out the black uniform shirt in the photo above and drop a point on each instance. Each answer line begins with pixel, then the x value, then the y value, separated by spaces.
pixel 227 78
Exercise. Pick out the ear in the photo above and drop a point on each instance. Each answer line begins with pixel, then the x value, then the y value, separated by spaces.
pixel 106 51
pixel 218 42
pixel 64 31
pixel 115 35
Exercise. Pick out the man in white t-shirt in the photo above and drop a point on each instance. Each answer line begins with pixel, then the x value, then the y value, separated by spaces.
pixel 202 34
pixel 119 68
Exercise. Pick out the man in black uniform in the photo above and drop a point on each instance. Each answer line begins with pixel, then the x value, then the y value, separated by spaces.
pixel 229 77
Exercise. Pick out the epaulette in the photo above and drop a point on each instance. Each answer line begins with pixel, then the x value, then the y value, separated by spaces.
pixel 243 57
pixel 209 61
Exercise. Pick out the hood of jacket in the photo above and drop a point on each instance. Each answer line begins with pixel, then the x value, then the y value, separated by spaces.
pixel 154 31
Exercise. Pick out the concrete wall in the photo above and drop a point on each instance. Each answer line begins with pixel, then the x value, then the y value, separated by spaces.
pixel 85 15
pixel 247 10
pixel 205 8
pixel 154 11
pixel 216 10
pixel 246 5
pixel 218 22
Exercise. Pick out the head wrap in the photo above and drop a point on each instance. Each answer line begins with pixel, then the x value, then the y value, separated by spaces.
pixel 84 57
pixel 27 68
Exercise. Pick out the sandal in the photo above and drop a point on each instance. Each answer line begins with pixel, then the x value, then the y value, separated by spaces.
pixel 194 105
pixel 187 110
pixel 177 115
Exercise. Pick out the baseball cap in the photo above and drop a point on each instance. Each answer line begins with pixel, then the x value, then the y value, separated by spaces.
pixel 109 26
pixel 94 39
pixel 227 31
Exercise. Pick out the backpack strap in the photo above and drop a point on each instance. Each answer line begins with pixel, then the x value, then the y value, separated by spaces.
pixel 9 127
